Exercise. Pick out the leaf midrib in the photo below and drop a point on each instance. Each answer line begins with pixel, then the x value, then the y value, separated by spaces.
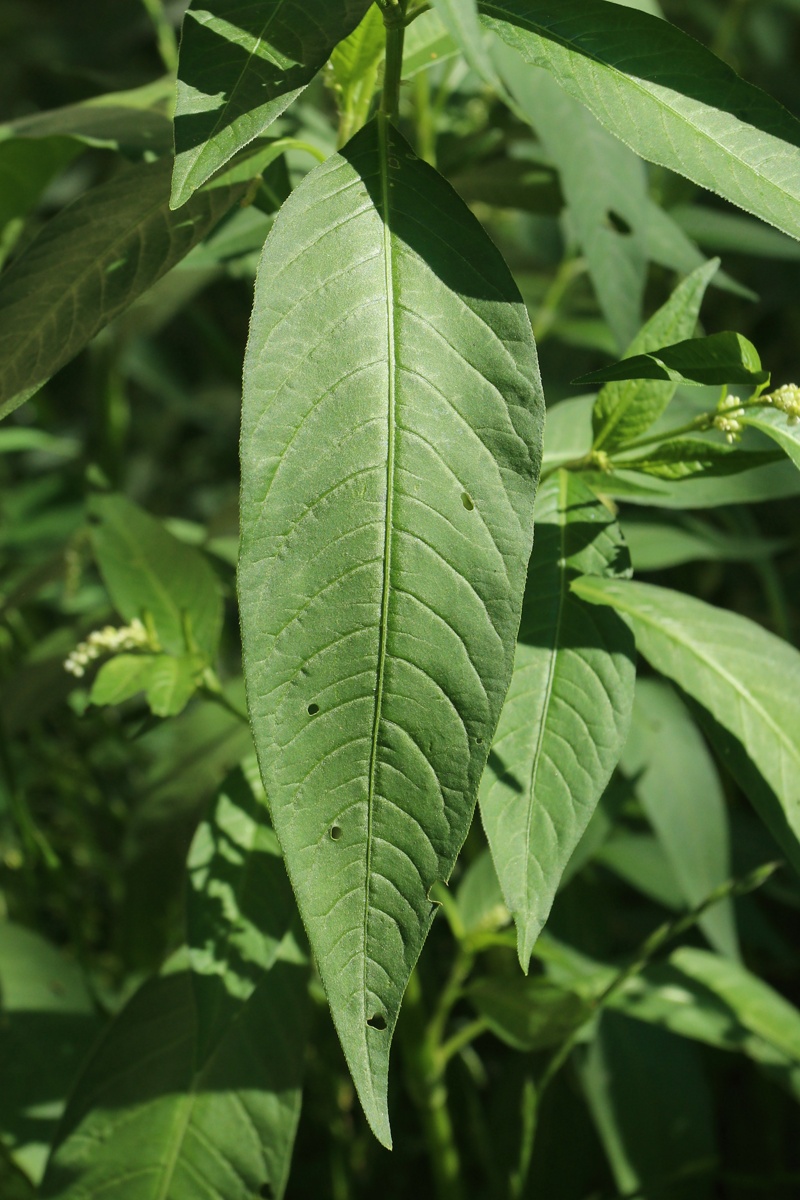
pixel 391 320
pixel 563 482
pixel 532 26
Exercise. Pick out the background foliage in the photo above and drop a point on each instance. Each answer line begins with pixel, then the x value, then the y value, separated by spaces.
pixel 688 1085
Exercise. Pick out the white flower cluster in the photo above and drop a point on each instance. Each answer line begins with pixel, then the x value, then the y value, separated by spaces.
pixel 107 641
pixel 726 419
pixel 787 399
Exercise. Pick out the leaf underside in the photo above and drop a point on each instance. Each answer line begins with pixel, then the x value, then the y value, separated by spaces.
pixel 572 687
pixel 391 440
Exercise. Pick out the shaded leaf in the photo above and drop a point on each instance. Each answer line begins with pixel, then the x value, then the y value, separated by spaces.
pixel 88 265
pixel 390 449
pixel 241 64
pixel 153 576
pixel 121 677
pixel 137 119
pixel 528 1014
pixel 47 1024
pixel 718 359
pixel 666 96
pixel 680 792
pixel 747 678
pixel 572 687
pixel 460 19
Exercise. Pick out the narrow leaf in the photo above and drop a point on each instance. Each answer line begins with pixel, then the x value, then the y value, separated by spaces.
pixel 604 186
pixel 88 265
pixel 241 64
pixel 572 686
pixel 747 678
pixel 355 65
pixel 624 411
pixel 680 791
pixel 391 441
pixel 719 359
pixel 134 120
pixel 460 19
pixel 665 96
pixel 153 576
pixel 684 457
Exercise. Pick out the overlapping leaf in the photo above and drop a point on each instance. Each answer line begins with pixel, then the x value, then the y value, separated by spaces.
pixel 390 448
pixel 195 1087
pixel 748 679
pixel 625 410
pixel 665 96
pixel 88 265
pixel 241 64
pixel 604 186
pixel 566 715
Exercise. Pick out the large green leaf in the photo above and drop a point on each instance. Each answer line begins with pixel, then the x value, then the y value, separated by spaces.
pixel 152 1118
pixel 241 64
pixel 666 97
pixel 88 265
pixel 748 679
pixel 625 410
pixel 195 1088
pixel 391 440
pixel 153 576
pixel 680 791
pixel 605 188
pixel 566 716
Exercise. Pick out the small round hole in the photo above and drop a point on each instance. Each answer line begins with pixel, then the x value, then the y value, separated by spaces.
pixel 466 500
pixel 336 832
pixel 478 741
pixel 313 709
pixel 618 223
pixel 378 1021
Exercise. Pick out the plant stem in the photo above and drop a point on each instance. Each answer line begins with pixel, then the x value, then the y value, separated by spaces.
pixel 425 1073
pixel 394 18
pixel 165 34
pixel 547 313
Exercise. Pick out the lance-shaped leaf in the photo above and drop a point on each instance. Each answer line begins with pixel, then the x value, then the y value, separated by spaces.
pixel 566 716
pixel 241 64
pixel 719 359
pixel 195 1087
pixel 748 679
pixel 460 19
pixel 88 265
pixel 626 410
pixel 391 440
pixel 684 457
pixel 666 97
pixel 605 189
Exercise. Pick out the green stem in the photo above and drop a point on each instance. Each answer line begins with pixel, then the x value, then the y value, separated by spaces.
pixel 425 1074
pixel 426 128
pixel 394 17
pixel 165 34
pixel 547 313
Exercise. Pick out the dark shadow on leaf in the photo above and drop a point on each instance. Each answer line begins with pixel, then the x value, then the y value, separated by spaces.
pixel 504 774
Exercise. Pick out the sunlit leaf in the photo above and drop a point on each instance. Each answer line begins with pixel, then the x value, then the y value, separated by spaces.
pixel 718 359
pixel 390 448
